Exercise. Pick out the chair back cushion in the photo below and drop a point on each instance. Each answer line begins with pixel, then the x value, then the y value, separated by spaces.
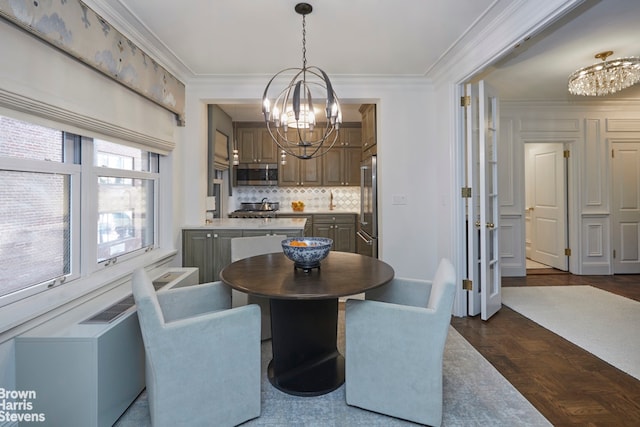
pixel 244 247
pixel 443 289
pixel 149 311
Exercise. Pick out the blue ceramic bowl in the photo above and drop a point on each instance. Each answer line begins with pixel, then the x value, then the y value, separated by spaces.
pixel 309 256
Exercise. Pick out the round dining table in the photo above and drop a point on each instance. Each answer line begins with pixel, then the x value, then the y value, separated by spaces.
pixel 304 313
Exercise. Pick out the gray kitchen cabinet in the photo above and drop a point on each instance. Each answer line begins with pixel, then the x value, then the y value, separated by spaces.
pixel 369 140
pixel 222 249
pixel 210 249
pixel 197 251
pixel 255 144
pixel 341 167
pixel 350 135
pixel 300 172
pixel 339 227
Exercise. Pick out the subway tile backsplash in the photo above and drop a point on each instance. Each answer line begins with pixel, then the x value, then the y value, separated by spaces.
pixel 314 198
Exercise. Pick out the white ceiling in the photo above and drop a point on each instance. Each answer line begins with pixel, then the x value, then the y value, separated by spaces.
pixel 204 38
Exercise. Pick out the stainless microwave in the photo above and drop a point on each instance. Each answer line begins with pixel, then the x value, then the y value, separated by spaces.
pixel 256 174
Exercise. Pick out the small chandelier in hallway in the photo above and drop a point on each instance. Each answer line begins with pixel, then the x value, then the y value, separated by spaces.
pixel 291 116
pixel 606 77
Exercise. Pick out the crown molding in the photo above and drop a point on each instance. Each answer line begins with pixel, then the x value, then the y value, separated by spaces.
pixel 505 25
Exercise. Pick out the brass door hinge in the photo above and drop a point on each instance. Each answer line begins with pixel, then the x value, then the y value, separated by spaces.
pixel 465 101
pixel 566 154
pixel 613 156
pixel 466 192
pixel 467 284
pixel 567 251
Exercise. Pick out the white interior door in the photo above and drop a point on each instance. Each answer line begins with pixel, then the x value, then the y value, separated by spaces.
pixel 483 256
pixel 472 146
pixel 546 203
pixel 626 207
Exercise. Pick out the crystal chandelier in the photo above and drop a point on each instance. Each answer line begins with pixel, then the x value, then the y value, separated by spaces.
pixel 605 77
pixel 291 116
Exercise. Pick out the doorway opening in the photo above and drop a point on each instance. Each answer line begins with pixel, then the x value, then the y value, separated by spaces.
pixel 546 207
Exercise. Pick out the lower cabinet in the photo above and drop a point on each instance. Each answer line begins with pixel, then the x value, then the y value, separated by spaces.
pixel 210 249
pixel 339 227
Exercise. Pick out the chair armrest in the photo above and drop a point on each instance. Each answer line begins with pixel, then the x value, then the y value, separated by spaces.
pixel 212 333
pixel 410 334
pixel 410 292
pixel 193 300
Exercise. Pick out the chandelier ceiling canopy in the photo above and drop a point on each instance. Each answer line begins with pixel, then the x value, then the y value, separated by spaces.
pixel 291 114
pixel 605 77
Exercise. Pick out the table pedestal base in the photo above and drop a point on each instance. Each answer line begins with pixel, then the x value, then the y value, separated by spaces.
pixel 306 361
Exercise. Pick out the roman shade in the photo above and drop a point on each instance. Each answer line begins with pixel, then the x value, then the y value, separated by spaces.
pixel 40 80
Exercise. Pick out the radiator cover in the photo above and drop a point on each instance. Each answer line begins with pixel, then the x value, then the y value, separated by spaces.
pixel 87 374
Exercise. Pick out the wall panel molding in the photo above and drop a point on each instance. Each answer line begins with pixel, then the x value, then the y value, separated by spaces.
pixel 549 124
pixel 623 125
pixel 594 166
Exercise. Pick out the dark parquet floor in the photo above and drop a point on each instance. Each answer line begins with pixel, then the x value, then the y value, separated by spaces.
pixel 568 385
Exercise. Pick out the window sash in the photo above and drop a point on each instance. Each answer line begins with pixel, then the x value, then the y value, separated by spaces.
pixel 83 209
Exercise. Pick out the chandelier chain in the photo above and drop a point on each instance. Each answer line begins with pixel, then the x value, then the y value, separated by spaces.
pixel 304 42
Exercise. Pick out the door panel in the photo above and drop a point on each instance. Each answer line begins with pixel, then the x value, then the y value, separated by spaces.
pixel 490 277
pixel 546 202
pixel 483 254
pixel 472 119
pixel 626 207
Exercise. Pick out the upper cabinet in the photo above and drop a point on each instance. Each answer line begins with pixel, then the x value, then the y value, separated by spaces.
pixel 255 144
pixel 300 172
pixel 341 165
pixel 368 112
pixel 338 167
pixel 349 136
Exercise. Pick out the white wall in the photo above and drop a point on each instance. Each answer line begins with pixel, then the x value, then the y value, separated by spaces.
pixel 587 129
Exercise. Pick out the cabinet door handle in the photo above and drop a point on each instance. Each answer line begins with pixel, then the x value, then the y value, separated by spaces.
pixel 208 235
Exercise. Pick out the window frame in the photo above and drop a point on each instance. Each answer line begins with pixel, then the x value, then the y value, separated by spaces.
pixel 83 177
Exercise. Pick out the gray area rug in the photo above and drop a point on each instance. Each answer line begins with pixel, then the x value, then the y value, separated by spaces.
pixel 602 323
pixel 475 394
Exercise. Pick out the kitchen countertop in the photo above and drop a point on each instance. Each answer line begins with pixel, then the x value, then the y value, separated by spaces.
pixel 253 224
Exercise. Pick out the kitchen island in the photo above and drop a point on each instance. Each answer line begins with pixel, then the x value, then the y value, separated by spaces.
pixel 208 246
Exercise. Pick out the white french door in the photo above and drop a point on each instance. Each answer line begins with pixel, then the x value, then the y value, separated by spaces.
pixel 483 254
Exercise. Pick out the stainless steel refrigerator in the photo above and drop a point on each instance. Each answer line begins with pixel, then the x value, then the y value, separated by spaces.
pixel 368 220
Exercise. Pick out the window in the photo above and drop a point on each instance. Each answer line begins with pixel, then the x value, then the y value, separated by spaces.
pixel 43 211
pixel 125 198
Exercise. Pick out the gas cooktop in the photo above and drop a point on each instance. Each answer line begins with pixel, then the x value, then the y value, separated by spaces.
pixel 248 213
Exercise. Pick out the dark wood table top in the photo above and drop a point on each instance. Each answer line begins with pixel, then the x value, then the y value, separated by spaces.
pixel 274 276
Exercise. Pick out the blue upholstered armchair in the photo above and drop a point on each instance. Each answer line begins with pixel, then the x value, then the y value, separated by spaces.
pixel 203 358
pixel 395 344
